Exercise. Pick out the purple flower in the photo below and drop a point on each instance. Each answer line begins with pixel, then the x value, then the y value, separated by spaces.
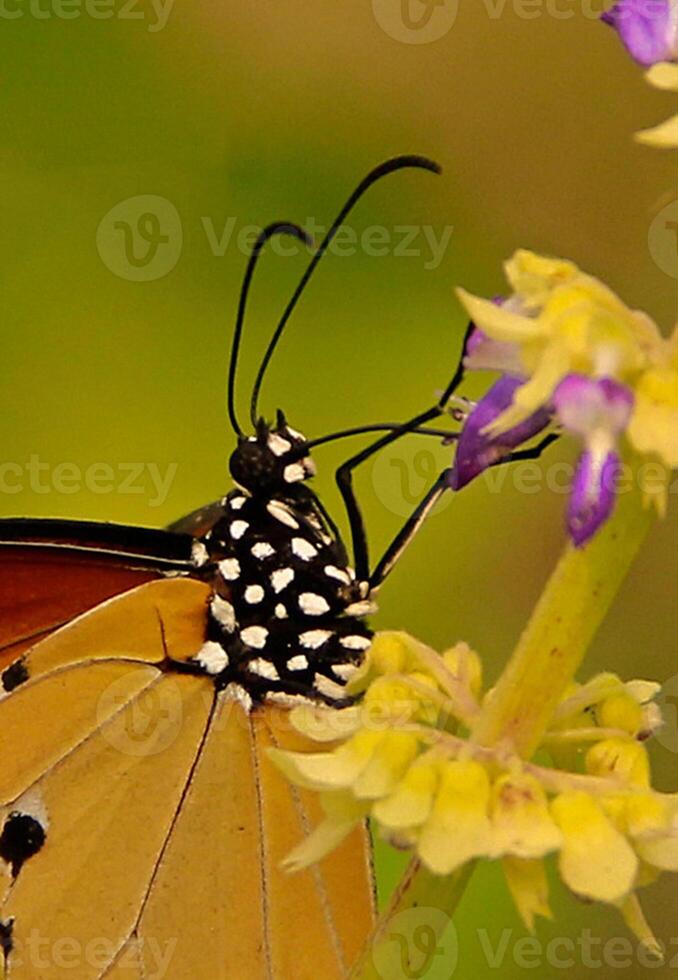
pixel 647 29
pixel 598 411
pixel 476 450
pixel 593 495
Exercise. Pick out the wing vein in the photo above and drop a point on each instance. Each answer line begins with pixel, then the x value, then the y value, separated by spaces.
pixel 319 878
pixel 263 852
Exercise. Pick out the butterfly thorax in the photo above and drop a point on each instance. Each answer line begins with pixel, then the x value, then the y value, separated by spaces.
pixel 286 618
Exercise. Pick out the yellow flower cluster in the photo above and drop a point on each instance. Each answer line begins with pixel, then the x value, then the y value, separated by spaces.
pixel 560 321
pixel 404 755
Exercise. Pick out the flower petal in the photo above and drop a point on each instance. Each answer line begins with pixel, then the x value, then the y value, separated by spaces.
pixel 390 760
pixel 343 814
pixel 459 827
pixel 593 495
pixel 596 861
pixel 663 135
pixel 536 394
pixel 533 277
pixel 520 818
pixel 653 428
pixel 499 322
pixel 638 924
pixel 585 405
pixel 485 354
pixel 410 804
pixel 476 448
pixel 664 76
pixel 329 770
pixel 529 888
pixel 643 28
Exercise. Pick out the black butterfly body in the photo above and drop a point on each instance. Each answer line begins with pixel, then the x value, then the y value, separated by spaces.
pixel 286 619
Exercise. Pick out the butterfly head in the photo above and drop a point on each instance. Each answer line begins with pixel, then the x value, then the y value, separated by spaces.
pixel 272 460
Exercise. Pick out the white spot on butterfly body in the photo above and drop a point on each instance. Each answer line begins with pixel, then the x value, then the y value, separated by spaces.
pixel 223 612
pixel 254 594
pixel 235 503
pixel 337 573
pixel 230 569
pixel 263 550
pixel 298 663
pixel 289 700
pixel 281 578
pixel 303 549
pixel 282 514
pixel 365 608
pixel 355 642
pixel 329 688
pixel 237 529
pixel 278 445
pixel 254 636
pixel 234 692
pixel 313 639
pixel 212 658
pixel 199 554
pixel 344 671
pixel 294 473
pixel 312 604
pixel 263 668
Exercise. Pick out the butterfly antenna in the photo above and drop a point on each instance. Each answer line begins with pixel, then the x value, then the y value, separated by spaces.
pixel 388 167
pixel 278 228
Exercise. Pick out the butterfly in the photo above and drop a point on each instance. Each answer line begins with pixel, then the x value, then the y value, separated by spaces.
pixel 145 674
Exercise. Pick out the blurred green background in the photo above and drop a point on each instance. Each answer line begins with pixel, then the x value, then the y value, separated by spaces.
pixel 237 114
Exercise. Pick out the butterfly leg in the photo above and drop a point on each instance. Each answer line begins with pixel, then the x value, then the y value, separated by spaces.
pixel 423 509
pixel 344 475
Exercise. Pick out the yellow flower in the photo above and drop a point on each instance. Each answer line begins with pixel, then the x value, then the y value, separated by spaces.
pixel 459 826
pixel 663 75
pixel 521 820
pixel 560 321
pixel 529 888
pixel 596 860
pixel 428 787
pixel 653 428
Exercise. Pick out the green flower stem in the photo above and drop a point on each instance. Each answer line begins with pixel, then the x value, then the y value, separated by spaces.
pixel 418 892
pixel 572 607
